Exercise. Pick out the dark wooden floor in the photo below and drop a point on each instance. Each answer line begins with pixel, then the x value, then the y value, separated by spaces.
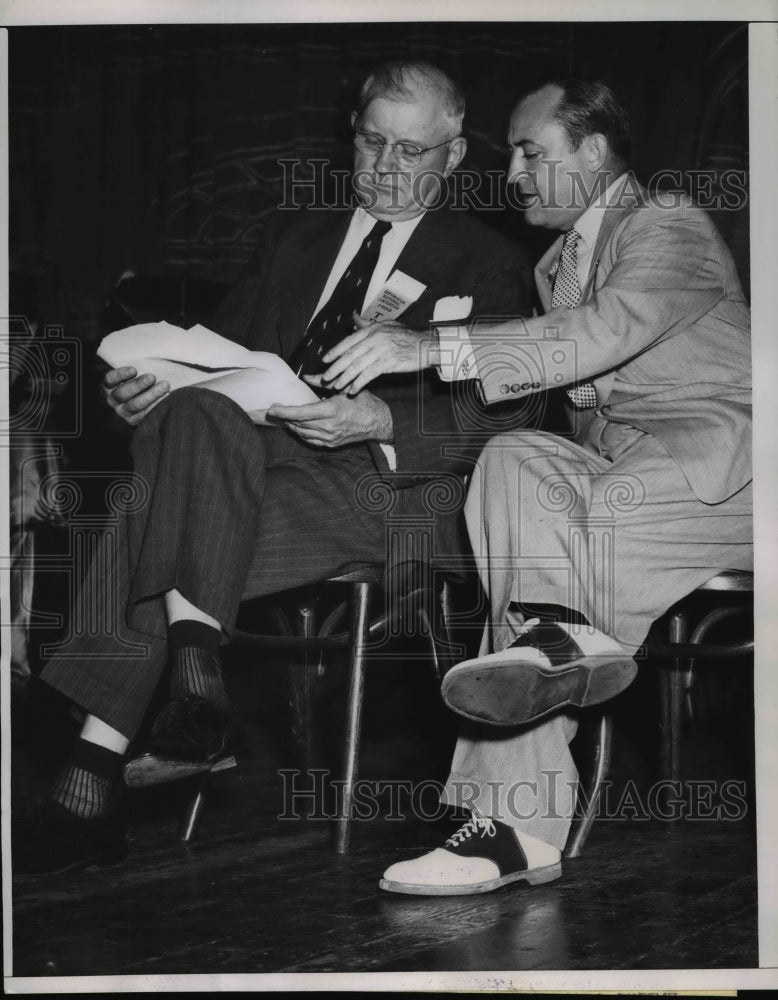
pixel 258 894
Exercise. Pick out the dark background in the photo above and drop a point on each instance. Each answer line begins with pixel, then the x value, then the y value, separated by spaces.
pixel 156 148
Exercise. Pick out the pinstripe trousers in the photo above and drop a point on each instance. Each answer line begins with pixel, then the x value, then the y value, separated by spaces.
pixel 609 527
pixel 234 511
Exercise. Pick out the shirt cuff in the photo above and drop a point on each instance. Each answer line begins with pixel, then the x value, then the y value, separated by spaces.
pixel 457 356
pixel 391 455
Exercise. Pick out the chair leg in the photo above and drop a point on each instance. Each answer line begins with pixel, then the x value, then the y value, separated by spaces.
pixel 191 817
pixel 602 757
pixel 671 707
pixel 302 678
pixel 359 637
pixel 445 609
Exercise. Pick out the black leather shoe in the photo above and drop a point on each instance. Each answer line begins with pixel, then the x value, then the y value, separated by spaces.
pixel 49 840
pixel 188 737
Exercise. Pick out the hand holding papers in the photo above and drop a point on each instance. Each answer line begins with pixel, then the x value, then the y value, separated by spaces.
pixel 253 379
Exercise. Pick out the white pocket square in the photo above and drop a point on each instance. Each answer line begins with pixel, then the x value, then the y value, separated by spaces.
pixel 452 307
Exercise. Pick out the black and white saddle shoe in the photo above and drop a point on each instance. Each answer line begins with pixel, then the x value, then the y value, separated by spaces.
pixel 550 666
pixel 482 855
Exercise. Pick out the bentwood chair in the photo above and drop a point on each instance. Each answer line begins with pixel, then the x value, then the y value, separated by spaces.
pixel 676 647
pixel 422 608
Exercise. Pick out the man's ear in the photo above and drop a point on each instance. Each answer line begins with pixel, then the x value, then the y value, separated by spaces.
pixel 353 118
pixel 597 151
pixel 456 151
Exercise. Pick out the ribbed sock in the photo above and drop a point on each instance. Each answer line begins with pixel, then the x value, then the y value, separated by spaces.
pixel 551 613
pixel 86 785
pixel 196 663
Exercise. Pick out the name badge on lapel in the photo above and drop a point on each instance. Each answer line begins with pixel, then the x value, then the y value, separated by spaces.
pixel 399 292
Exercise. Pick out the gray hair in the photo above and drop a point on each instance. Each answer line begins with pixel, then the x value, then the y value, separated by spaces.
pixel 406 80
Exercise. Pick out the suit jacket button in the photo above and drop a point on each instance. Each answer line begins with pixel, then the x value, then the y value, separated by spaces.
pixel 515 387
pixel 505 389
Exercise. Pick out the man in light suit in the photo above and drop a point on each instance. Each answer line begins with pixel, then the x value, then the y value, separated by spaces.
pixel 238 511
pixel 583 540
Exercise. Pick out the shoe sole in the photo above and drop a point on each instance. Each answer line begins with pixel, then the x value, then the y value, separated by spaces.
pixel 535 876
pixel 144 772
pixel 514 692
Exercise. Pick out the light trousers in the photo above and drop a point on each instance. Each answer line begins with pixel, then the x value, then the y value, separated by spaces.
pixel 609 528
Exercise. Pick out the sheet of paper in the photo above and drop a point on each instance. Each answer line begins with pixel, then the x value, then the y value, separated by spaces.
pixel 176 373
pixel 162 340
pixel 253 379
pixel 256 389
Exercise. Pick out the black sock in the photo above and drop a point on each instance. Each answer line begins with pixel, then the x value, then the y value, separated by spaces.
pixel 86 785
pixel 551 613
pixel 196 663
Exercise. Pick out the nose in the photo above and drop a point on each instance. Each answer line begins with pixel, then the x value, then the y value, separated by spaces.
pixel 517 171
pixel 385 162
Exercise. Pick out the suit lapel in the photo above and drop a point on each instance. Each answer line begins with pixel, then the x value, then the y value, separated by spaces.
pixel 544 282
pixel 430 255
pixel 315 260
pixel 632 194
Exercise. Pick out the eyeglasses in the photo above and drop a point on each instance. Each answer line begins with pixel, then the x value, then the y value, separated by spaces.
pixel 405 152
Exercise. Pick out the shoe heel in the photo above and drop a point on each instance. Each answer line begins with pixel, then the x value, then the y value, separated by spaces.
pixel 602 678
pixel 538 876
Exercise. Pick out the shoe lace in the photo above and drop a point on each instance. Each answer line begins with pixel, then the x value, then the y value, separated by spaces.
pixel 477 825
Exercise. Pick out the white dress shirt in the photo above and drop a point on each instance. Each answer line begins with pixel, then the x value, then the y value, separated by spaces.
pixel 457 357
pixel 392 246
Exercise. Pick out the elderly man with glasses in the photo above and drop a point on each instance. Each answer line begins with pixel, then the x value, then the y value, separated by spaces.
pixel 238 511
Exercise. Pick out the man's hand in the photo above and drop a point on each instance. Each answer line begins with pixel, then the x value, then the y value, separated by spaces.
pixel 339 420
pixel 375 349
pixel 131 396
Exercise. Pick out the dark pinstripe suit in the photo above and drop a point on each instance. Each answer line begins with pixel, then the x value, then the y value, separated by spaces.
pixel 238 511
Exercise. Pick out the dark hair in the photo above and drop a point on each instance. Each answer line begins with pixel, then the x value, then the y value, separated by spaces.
pixel 587 107
pixel 405 79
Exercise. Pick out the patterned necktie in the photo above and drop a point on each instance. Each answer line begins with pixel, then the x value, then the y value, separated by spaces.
pixel 567 292
pixel 334 320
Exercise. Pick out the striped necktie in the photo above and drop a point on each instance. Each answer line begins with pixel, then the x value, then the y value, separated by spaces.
pixel 567 292
pixel 334 320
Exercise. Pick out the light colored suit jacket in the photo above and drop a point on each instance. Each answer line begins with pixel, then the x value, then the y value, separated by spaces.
pixel 663 331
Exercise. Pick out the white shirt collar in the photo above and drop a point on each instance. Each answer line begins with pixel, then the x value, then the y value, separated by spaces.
pixel 363 222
